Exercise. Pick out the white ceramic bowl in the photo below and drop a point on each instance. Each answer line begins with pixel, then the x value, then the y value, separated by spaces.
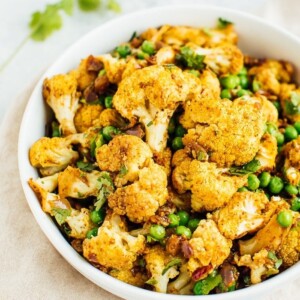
pixel 256 37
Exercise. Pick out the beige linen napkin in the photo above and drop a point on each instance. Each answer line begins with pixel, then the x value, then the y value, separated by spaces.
pixel 30 267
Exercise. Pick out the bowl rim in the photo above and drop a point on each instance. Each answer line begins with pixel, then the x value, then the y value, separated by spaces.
pixel 51 231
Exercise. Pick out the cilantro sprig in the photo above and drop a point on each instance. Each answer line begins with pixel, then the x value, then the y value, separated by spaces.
pixel 106 187
pixel 190 59
pixel 44 23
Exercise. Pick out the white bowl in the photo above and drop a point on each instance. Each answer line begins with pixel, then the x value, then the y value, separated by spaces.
pixel 256 37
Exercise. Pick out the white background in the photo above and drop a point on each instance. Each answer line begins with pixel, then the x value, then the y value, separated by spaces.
pixel 32 60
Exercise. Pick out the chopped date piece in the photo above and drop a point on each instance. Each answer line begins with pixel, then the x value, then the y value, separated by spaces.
pixel 186 249
pixel 174 243
pixel 136 131
pixel 93 64
pixel 201 273
pixel 101 84
pixel 89 94
pixel 77 245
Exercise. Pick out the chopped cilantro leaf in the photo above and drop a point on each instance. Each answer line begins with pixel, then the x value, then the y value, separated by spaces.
pixel 123 171
pixel 223 23
pixel 190 59
pixel 250 167
pixel 61 215
pixel 106 187
pixel 172 263
pixel 85 166
pixel 292 106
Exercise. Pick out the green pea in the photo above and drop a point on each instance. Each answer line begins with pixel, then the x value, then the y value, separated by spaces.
pixel 242 189
pixel 241 93
pixel 148 47
pixel 230 82
pixel 92 232
pixel 272 129
pixel 108 102
pixel 291 189
pixel 253 182
pixel 184 217
pixel 285 218
pixel 174 220
pixel 243 71
pixel 97 216
pixel 158 232
pixel 193 224
pixel 225 94
pixel 244 82
pixel 264 179
pixel 177 143
pixel 279 138
pixel 297 126
pixel 290 133
pixel 255 86
pixel 182 230
pixel 295 205
pixel 180 131
pixel 172 126
pixel 109 132
pixel 123 50
pixel 276 185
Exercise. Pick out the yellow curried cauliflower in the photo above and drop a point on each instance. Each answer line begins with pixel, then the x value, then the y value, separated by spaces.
pixel 210 187
pixel 270 74
pixel 131 277
pixel 183 284
pixel 289 250
pixel 156 261
pixel 60 93
pixel 51 155
pixel 261 265
pixel 87 116
pixel 113 247
pixel 291 166
pixel 267 152
pixel 223 59
pixel 110 117
pixel 140 200
pixel 210 247
pixel 143 96
pixel 243 214
pixel 126 155
pixel 43 188
pixel 74 183
pixel 271 235
pixel 229 131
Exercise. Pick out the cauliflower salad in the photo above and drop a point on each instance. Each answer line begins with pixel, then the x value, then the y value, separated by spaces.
pixel 173 162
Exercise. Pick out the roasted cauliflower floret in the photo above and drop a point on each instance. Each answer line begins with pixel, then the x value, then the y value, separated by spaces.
pixel 140 200
pixel 113 247
pixel 51 155
pixel 43 188
pixel 291 152
pixel 270 74
pixel 156 262
pixel 87 71
pixel 87 116
pixel 243 214
pixel 60 92
pixel 271 235
pixel 230 131
pixel 289 250
pixel 110 117
pixel 223 59
pixel 143 96
pixel 261 265
pixel 267 152
pixel 126 155
pixel 79 222
pixel 210 248
pixel 290 102
pixel 269 110
pixel 211 188
pixel 74 183
pixel 131 277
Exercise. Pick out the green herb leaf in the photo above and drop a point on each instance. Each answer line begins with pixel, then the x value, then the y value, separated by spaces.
pixel 276 260
pixel 56 132
pixel 61 215
pixel 292 106
pixel 85 166
pixel 172 263
pixel 123 171
pixel 250 167
pixel 151 281
pixel 150 123
pixel 134 35
pixel 106 187
pixel 223 23
pixel 89 5
pixel 190 59
pixel 43 24
pixel 114 6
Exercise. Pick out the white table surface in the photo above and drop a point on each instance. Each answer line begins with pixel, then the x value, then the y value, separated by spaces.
pixel 35 57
